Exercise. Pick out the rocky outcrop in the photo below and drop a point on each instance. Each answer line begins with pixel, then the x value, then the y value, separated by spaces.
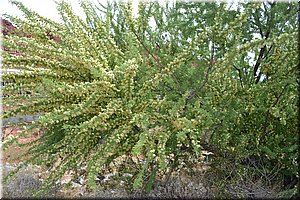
pixel 7 28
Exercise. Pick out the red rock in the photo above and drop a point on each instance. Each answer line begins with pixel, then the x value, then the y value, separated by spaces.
pixel 7 28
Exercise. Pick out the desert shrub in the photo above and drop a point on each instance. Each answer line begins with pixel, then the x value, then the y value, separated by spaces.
pixel 114 87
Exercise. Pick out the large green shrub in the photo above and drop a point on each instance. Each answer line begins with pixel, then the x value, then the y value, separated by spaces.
pixel 116 86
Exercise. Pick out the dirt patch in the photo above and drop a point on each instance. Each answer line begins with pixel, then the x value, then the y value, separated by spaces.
pixel 10 155
pixel 13 151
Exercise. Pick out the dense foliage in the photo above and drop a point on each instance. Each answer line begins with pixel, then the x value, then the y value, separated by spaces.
pixel 162 85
